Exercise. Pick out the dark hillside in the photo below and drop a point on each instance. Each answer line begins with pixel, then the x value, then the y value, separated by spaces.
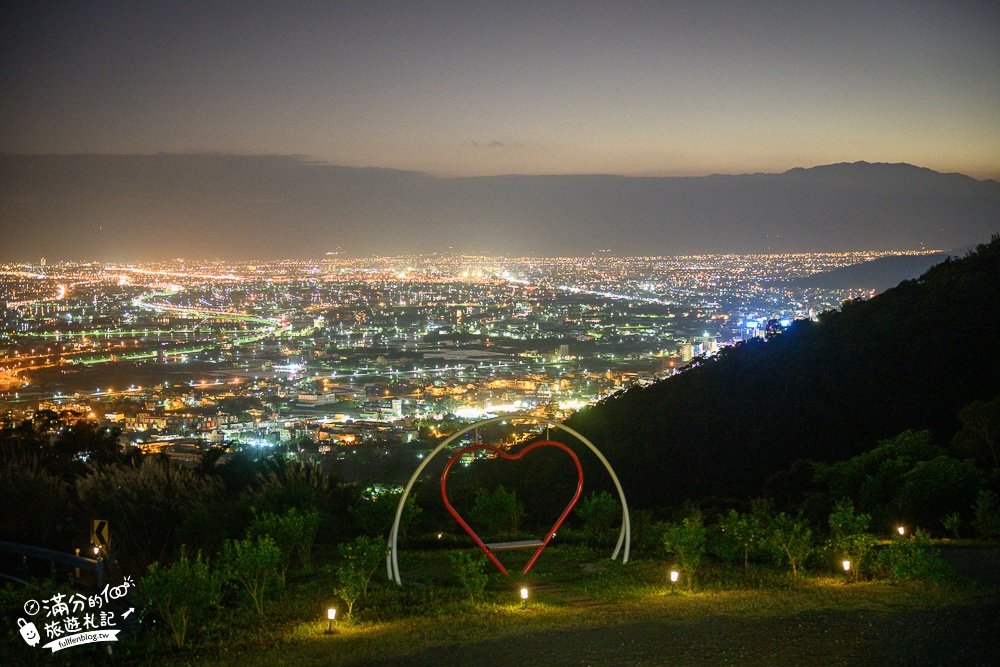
pixel 878 274
pixel 911 357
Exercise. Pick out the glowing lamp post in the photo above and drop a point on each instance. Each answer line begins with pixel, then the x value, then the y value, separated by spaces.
pixel 331 615
pixel 674 576
pixel 901 531
pixel 524 597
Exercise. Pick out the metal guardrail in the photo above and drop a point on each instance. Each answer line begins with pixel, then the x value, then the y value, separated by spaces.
pixel 56 557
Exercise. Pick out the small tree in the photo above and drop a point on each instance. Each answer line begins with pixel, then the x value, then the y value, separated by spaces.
pixel 741 535
pixel 292 533
pixel 499 513
pixel 987 515
pixel 374 513
pixel 686 541
pixel 790 540
pixel 952 523
pixel 184 593
pixel 253 564
pixel 470 568
pixel 849 536
pixel 980 434
pixel 601 515
pixel 359 560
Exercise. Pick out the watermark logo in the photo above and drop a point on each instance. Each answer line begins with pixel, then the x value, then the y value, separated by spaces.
pixel 74 620
pixel 29 632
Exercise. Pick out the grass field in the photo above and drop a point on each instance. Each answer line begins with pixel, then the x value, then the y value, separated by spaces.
pixel 639 621
pixel 819 623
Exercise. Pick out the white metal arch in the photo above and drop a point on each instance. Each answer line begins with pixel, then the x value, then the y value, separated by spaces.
pixel 624 537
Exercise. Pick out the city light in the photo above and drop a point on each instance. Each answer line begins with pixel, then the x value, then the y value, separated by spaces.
pixel 358 355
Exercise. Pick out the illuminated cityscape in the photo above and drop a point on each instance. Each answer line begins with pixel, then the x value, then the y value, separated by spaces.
pixel 347 351
pixel 695 302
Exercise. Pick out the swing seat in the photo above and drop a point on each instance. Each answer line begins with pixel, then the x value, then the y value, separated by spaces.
pixel 510 546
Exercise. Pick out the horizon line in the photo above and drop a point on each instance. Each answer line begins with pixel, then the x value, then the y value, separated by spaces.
pixel 309 160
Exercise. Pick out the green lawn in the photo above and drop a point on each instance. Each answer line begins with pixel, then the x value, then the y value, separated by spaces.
pixel 821 616
pixel 362 643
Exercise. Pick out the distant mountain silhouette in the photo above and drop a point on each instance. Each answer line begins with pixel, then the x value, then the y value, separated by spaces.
pixel 911 357
pixel 135 207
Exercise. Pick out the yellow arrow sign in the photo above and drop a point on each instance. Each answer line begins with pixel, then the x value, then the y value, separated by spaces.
pixel 100 535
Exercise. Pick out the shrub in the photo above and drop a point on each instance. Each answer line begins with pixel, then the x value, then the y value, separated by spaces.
pixel 184 593
pixel 987 515
pixel 13 649
pixel 849 536
pixel 253 564
pixel 647 532
pixel 302 485
pixel 292 533
pixel 145 507
pixel 686 541
pixel 601 515
pixel 374 513
pixel 911 558
pixel 952 523
pixel 25 483
pixel 470 568
pixel 497 514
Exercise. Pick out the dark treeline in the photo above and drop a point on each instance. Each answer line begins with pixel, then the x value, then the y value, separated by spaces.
pixel 55 479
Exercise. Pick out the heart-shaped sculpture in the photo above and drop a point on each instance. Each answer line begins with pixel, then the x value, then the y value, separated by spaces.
pixel 541 544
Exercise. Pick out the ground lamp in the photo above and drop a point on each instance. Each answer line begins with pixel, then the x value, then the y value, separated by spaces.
pixel 847 566
pixel 524 597
pixel 901 530
pixel 331 615
pixel 674 575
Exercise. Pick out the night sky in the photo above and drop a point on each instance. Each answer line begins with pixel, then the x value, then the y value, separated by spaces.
pixel 471 89
pixel 468 88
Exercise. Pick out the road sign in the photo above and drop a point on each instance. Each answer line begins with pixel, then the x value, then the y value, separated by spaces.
pixel 99 534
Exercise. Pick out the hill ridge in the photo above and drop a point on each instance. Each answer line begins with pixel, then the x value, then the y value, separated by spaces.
pixel 67 207
pixel 909 358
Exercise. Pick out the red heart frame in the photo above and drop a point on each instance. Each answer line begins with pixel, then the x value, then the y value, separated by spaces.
pixel 552 531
